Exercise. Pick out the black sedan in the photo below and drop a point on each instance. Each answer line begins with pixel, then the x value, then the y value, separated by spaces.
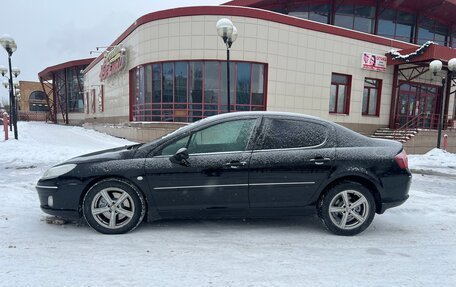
pixel 250 164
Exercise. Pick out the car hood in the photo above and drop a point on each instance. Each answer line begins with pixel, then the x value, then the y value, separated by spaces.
pixel 124 152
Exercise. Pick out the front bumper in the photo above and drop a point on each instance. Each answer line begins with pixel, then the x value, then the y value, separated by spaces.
pixel 63 213
pixel 65 198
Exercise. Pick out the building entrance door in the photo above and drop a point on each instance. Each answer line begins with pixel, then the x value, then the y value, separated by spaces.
pixel 417 106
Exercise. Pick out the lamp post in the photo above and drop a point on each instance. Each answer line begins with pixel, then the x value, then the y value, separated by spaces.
pixel 228 32
pixel 10 46
pixel 435 67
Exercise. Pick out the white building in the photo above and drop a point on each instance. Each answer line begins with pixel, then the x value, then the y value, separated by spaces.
pixel 169 67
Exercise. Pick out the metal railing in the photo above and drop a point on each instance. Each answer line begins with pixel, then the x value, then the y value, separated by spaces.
pixel 34 116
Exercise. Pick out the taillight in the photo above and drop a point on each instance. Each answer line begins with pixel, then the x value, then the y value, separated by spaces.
pixel 402 160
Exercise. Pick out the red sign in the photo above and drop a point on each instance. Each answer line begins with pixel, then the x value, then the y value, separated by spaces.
pixel 373 62
pixel 114 61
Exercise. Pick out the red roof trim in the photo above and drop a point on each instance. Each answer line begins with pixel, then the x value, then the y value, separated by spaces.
pixel 258 14
pixel 46 72
pixel 242 2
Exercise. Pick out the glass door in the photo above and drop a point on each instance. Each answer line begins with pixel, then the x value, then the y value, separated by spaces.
pixel 427 111
pixel 406 105
pixel 417 106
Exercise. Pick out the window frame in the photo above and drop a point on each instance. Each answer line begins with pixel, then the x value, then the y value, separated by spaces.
pixel 346 110
pixel 379 96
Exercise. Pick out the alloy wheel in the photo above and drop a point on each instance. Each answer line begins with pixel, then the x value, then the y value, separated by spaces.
pixel 112 208
pixel 348 209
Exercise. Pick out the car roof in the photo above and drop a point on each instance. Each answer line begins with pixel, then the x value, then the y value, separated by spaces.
pixel 264 113
pixel 236 115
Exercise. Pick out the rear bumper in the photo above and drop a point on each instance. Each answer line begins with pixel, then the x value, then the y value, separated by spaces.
pixel 395 191
pixel 387 205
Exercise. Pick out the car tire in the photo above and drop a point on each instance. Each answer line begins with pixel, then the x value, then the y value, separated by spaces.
pixel 113 206
pixel 347 209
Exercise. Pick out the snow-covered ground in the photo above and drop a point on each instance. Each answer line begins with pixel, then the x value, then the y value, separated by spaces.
pixel 411 245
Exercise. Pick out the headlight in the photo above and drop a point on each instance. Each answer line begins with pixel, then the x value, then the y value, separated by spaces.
pixel 56 171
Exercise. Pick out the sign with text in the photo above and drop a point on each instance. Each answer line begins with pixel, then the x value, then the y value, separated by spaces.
pixel 114 61
pixel 373 62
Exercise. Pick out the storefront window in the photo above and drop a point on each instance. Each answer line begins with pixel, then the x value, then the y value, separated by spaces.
pixel 360 18
pixel 339 100
pixel 187 91
pixel 211 88
pixel 371 97
pixel 257 85
pixel 148 84
pixel 430 30
pixel 69 90
pixel 243 87
pixel 195 92
pixel 156 92
pixel 318 13
pixel 397 25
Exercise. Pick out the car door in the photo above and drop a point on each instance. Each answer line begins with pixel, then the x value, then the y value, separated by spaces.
pixel 215 175
pixel 290 161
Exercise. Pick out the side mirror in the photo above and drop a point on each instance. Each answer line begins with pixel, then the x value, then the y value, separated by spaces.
pixel 180 157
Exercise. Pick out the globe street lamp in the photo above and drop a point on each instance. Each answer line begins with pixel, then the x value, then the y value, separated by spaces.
pixel 435 67
pixel 228 32
pixel 10 46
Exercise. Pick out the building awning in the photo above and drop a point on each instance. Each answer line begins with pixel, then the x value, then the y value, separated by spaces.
pixel 46 74
pixel 424 54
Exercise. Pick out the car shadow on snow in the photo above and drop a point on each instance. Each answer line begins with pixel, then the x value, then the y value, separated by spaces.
pixel 305 224
pixel 292 224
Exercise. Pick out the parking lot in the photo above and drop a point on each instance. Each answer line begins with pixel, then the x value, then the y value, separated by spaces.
pixel 412 245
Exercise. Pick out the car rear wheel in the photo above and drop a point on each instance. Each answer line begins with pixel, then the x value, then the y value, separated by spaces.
pixel 113 206
pixel 347 209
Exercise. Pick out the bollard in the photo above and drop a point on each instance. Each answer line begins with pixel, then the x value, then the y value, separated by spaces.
pixel 445 142
pixel 5 124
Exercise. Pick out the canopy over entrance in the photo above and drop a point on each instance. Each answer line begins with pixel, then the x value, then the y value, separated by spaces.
pixel 417 95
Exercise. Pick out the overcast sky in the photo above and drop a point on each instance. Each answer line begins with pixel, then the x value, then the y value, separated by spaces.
pixel 50 32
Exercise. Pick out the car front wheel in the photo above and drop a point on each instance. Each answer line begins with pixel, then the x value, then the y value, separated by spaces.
pixel 347 208
pixel 113 206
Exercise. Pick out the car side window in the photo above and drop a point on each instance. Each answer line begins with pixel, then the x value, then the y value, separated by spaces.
pixel 223 137
pixel 173 147
pixel 284 133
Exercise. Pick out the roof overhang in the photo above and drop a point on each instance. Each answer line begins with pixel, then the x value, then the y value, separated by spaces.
pixel 433 52
pixel 47 73
pixel 256 14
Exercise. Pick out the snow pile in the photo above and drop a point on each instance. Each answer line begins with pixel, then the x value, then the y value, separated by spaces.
pixel 396 55
pixel 434 161
pixel 43 144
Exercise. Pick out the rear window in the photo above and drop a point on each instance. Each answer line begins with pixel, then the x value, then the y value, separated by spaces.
pixel 284 133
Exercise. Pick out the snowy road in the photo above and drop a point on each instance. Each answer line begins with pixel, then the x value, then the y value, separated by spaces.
pixel 412 245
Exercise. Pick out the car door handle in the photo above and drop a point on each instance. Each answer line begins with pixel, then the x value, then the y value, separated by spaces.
pixel 235 164
pixel 319 160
